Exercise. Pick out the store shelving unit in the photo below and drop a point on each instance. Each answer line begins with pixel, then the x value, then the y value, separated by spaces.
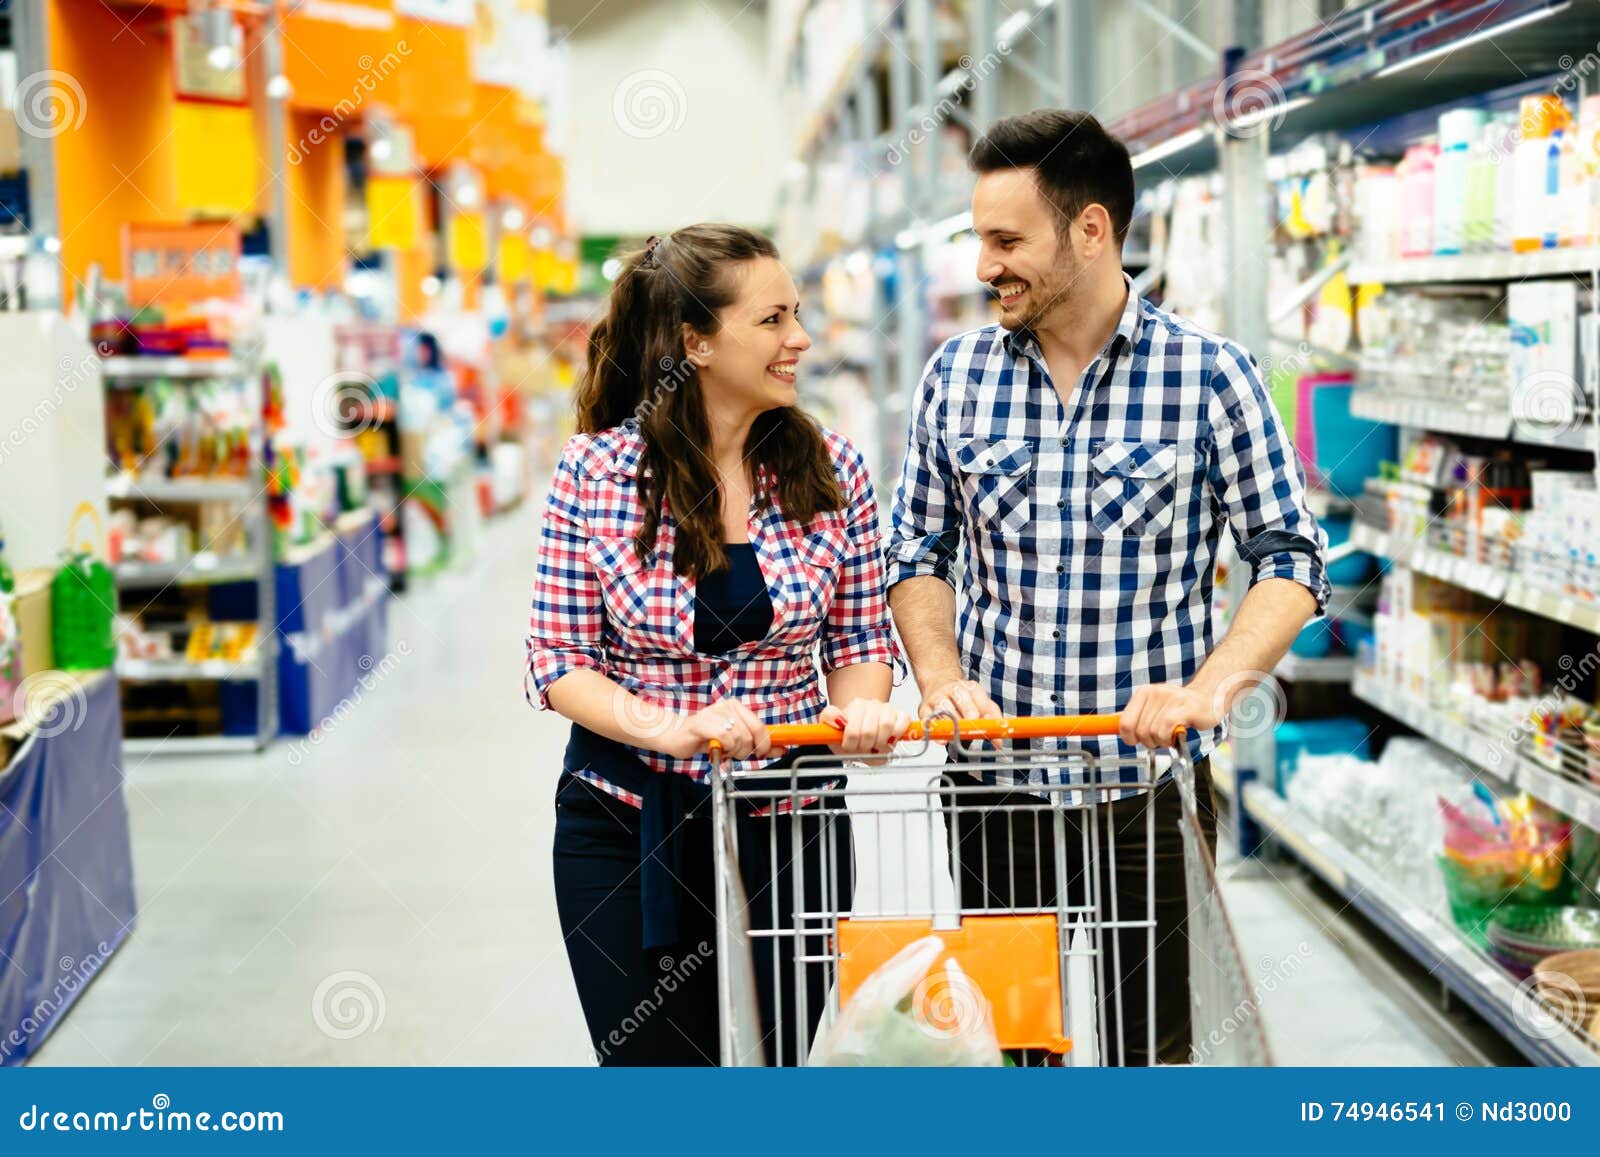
pixel 1492 582
pixel 1377 63
pixel 204 568
pixel 1476 267
pixel 1437 946
pixel 1563 786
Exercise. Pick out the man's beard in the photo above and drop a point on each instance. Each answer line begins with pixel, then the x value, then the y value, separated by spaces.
pixel 1045 296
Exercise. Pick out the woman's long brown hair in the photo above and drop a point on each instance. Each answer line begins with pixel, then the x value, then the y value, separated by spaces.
pixel 638 370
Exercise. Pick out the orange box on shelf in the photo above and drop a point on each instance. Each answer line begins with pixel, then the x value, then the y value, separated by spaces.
pixel 171 264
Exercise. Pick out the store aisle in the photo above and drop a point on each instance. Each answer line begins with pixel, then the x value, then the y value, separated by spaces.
pixel 396 869
pixel 382 896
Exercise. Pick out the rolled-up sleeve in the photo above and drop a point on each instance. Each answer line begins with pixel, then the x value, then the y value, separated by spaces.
pixel 567 620
pixel 927 522
pixel 1257 478
pixel 859 628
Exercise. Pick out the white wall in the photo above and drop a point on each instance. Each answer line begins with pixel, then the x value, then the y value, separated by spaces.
pixel 706 138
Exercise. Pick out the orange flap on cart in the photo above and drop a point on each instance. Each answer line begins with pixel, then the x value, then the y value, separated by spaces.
pixel 1014 960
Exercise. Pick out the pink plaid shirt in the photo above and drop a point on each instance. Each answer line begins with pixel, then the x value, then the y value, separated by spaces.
pixel 595 604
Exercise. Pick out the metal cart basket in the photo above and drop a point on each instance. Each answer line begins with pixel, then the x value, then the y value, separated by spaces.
pixel 1036 868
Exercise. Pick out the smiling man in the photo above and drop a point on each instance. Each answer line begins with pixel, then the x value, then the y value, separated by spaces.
pixel 1080 460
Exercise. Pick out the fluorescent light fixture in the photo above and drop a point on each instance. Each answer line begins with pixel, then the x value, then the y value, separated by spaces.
pixel 278 87
pixel 610 269
pixel 511 218
pixel 959 223
pixel 907 238
pixel 1012 27
pixel 1473 38
pixel 1168 148
pixel 381 149
pixel 541 237
pixel 857 263
pixel 466 195
pixel 1270 112
pixel 431 286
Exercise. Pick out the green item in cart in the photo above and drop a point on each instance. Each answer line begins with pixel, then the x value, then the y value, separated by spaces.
pixel 83 602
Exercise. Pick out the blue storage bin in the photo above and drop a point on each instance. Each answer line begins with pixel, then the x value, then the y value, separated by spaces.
pixel 1340 735
pixel 1351 571
pixel 1349 449
pixel 1315 640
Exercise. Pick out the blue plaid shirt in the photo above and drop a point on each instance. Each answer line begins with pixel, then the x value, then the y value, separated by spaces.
pixel 1088 534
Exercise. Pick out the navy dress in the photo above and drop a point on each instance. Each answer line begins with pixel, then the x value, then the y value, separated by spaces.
pixel 635 888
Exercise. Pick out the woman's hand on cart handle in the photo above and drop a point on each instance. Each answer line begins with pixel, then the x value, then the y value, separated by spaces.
pixel 1159 713
pixel 868 726
pixel 729 724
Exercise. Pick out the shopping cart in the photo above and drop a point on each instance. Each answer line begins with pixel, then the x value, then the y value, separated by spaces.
pixel 1055 926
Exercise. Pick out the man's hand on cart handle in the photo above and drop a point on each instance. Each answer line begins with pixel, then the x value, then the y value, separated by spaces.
pixel 963 698
pixel 1160 711
pixel 869 726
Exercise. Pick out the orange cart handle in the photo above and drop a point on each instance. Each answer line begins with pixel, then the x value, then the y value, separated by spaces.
pixel 942 731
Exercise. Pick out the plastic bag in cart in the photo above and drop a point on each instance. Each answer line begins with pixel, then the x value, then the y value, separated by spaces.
pixel 913 1012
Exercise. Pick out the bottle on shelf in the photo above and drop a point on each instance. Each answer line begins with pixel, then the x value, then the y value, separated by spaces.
pixel 1537 164
pixel 1585 214
pixel 1459 129
pixel 1417 194
pixel 1506 138
pixel 1477 225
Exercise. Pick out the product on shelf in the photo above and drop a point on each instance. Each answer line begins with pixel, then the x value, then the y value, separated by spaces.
pixel 1507 181
pixel 1500 852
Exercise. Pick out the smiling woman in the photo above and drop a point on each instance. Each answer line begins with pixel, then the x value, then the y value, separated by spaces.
pixel 705 543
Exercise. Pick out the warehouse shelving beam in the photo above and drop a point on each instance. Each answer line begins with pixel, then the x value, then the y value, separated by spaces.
pixel 1177 31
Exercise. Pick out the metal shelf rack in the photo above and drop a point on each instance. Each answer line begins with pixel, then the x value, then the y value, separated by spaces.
pixel 205 567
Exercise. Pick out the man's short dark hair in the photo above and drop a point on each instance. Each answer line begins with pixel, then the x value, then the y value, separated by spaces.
pixel 1076 162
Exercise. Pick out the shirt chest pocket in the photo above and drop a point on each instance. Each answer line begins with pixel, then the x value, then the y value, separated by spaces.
pixel 822 553
pixel 625 580
pixel 1134 487
pixel 996 478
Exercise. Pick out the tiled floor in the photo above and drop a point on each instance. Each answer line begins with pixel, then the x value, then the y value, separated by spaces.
pixel 383 895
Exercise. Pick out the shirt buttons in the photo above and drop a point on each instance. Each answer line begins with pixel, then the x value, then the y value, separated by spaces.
pixel 1055 634
pixel 1061 505
pixel 1061 569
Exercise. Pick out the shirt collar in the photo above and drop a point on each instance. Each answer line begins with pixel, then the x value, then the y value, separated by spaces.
pixel 1021 342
